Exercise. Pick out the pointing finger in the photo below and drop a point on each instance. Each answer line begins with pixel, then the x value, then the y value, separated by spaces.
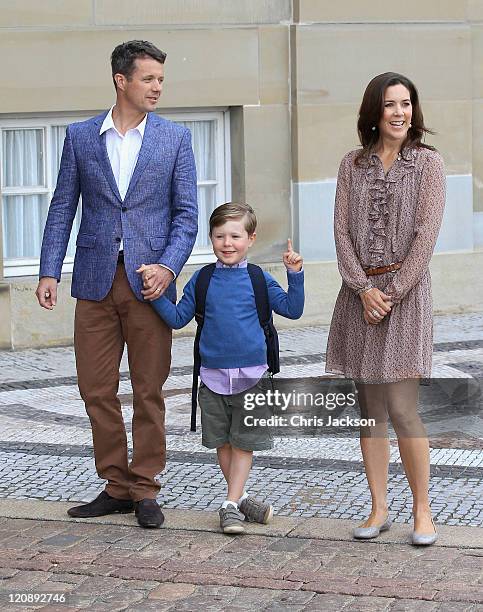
pixel 289 245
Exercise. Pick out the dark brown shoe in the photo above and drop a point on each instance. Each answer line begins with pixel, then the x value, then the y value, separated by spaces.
pixel 102 505
pixel 149 513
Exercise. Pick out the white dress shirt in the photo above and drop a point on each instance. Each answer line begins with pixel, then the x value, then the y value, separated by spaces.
pixel 123 153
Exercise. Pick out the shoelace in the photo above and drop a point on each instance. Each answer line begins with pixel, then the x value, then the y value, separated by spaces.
pixel 252 507
pixel 230 512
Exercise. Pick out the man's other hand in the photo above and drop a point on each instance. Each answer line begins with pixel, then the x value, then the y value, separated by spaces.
pixel 47 292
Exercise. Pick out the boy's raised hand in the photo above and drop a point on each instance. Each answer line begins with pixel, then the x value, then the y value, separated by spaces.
pixel 292 260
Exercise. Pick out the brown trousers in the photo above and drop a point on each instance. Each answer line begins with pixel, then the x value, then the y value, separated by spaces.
pixel 101 329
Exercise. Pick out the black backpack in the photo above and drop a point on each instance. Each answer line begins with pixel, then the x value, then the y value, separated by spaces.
pixel 260 290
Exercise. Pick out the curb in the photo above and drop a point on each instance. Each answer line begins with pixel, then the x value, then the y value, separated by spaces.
pixel 337 530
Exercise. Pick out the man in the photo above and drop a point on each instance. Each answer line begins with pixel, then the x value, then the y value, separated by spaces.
pixel 136 174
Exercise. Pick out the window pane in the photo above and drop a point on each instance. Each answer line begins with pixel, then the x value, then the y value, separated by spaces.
pixel 58 136
pixel 23 224
pixel 23 158
pixel 206 205
pixel 203 137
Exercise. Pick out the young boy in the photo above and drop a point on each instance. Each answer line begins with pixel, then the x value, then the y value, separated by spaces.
pixel 233 353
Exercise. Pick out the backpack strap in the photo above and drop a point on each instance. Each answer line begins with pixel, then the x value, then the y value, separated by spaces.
pixel 260 289
pixel 201 289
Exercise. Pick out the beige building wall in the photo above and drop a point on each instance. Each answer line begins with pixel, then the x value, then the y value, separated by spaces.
pixel 292 74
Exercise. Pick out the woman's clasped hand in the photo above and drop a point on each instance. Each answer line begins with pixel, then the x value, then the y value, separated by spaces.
pixel 376 305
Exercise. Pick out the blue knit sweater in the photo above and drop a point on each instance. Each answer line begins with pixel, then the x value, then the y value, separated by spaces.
pixel 231 335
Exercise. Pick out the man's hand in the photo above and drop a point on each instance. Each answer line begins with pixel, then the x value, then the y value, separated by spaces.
pixel 376 305
pixel 47 292
pixel 292 260
pixel 156 280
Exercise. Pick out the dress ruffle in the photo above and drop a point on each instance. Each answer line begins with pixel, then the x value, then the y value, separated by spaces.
pixel 381 193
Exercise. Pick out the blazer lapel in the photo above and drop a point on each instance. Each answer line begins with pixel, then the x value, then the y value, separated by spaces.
pixel 150 138
pixel 102 157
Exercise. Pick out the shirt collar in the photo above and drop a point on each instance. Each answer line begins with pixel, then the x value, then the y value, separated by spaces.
pixel 240 264
pixel 108 124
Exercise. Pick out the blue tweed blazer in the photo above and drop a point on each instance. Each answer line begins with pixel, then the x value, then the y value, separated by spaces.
pixel 157 221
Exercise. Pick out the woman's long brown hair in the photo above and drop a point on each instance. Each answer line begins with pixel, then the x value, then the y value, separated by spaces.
pixel 372 109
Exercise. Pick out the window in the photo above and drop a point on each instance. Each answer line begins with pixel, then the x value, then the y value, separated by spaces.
pixel 30 160
pixel 211 146
pixel 30 157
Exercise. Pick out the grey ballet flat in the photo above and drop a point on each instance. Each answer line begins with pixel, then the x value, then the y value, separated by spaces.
pixel 367 533
pixel 424 539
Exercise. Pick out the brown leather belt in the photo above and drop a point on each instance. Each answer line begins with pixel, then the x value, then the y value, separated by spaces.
pixel 383 269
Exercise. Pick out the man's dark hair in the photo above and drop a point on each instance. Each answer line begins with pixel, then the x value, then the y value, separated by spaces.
pixel 125 54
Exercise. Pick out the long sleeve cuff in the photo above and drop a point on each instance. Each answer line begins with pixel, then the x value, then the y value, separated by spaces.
pixel 295 278
pixel 167 268
pixel 365 288
pixel 395 290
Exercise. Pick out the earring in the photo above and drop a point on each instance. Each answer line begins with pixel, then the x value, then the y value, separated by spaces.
pixel 410 125
pixel 373 128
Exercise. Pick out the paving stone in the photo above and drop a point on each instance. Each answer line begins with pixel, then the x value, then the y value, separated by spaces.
pixel 370 604
pixel 117 600
pixel 203 603
pixel 206 579
pixel 289 545
pixel 55 586
pixel 459 606
pixel 416 605
pixel 24 581
pixel 58 608
pixel 473 595
pixel 341 587
pixel 84 569
pixel 155 605
pixel 147 561
pixel 35 564
pixel 269 583
pixel 61 540
pixel 139 573
pixel 401 592
pixel 334 603
pixel 212 567
pixel 6 572
pixel 97 585
pixel 18 543
pixel 69 578
pixel 172 591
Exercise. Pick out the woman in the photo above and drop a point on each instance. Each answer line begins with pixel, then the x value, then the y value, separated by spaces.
pixel 389 205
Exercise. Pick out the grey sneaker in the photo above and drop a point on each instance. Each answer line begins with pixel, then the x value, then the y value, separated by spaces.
pixel 231 520
pixel 256 511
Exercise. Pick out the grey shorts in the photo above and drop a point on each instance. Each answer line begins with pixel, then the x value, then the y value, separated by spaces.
pixel 222 419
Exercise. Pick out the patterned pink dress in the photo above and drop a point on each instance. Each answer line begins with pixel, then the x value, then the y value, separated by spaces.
pixel 382 219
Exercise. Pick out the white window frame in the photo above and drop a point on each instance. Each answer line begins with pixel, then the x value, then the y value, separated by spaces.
pixel 30 266
pixel 222 165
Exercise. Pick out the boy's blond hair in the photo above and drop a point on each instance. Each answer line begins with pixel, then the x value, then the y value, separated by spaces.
pixel 234 211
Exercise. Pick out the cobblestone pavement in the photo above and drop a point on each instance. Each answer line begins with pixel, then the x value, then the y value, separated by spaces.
pixel 102 567
pixel 46 444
